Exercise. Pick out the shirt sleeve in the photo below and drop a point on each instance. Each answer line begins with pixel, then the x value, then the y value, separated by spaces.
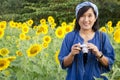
pixel 108 51
pixel 65 48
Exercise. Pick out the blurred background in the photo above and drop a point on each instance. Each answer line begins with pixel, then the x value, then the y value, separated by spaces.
pixel 61 10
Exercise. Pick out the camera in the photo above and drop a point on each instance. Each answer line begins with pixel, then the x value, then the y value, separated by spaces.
pixel 84 48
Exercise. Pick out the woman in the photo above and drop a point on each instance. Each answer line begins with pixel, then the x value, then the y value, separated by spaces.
pixel 86 53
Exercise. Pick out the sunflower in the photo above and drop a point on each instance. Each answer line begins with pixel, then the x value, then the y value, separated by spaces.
pixel 4 51
pixel 51 19
pixel 56 57
pixel 30 22
pixel 19 53
pixel 60 32
pixel 12 24
pixel 1 33
pixel 22 36
pixel 68 28
pixel 3 25
pixel 33 50
pixel 117 35
pixel 44 45
pixel 11 58
pixel 53 25
pixel 47 39
pixel 103 29
pixel 63 24
pixel 109 24
pixel 28 37
pixel 110 30
pixel 43 21
pixel 25 29
pixel 4 63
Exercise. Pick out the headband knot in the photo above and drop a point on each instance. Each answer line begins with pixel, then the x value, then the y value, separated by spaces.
pixel 87 3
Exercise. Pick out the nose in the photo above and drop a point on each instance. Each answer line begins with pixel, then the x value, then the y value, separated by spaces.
pixel 86 19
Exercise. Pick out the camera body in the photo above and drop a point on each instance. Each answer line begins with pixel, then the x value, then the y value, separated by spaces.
pixel 84 48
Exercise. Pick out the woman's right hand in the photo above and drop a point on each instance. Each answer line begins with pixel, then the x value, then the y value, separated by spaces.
pixel 75 49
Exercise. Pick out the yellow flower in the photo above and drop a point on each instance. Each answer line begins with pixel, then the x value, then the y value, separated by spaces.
pixel 4 63
pixel 63 24
pixel 3 25
pixel 25 29
pixel 56 57
pixel 42 29
pixel 44 45
pixel 118 25
pixel 4 51
pixel 11 58
pixel 33 50
pixel 53 25
pixel 22 36
pixel 47 39
pixel 109 24
pixel 43 21
pixel 117 35
pixel 51 19
pixel 1 33
pixel 110 30
pixel 12 24
pixel 30 22
pixel 60 32
pixel 103 29
pixel 45 29
pixel 19 53
pixel 68 28
pixel 28 37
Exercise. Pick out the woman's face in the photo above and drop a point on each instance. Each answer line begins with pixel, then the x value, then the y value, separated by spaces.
pixel 87 20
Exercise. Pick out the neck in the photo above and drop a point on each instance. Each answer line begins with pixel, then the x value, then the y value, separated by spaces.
pixel 86 31
pixel 86 35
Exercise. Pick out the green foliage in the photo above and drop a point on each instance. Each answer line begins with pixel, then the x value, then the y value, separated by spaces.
pixel 61 10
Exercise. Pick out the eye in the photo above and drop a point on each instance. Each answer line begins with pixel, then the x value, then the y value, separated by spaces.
pixel 90 15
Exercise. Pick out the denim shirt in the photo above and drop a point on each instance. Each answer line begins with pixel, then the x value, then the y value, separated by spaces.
pixel 93 68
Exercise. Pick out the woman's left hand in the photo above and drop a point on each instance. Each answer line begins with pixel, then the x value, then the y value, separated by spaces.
pixel 93 48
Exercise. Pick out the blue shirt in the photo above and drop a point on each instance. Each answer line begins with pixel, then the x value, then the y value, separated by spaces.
pixel 93 68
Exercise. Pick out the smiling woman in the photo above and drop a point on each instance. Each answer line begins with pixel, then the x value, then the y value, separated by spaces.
pixel 98 59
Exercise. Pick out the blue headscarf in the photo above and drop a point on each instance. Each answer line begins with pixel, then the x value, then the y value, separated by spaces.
pixel 87 3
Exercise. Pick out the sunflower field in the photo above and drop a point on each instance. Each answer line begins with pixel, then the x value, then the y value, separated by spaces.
pixel 30 52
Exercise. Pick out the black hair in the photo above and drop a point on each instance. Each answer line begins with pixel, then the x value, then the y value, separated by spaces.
pixel 95 27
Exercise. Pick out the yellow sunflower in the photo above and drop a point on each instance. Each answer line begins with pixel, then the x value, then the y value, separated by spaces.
pixel 109 24
pixel 3 25
pixel 43 21
pixel 19 53
pixel 11 58
pixel 51 19
pixel 60 32
pixel 47 39
pixel 68 28
pixel 1 33
pixel 22 36
pixel 4 51
pixel 103 29
pixel 25 29
pixel 117 35
pixel 110 30
pixel 4 63
pixel 30 22
pixel 53 25
pixel 33 50
pixel 56 57
pixel 44 45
